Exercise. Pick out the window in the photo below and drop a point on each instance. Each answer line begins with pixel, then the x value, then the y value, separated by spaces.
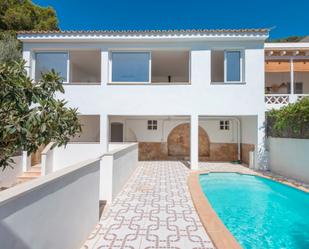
pixel 226 66
pixel 298 88
pixel 152 125
pixel 130 66
pixel 224 125
pixel 46 61
pixel 232 59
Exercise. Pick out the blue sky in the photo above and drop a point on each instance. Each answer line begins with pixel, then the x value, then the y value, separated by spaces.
pixel 288 17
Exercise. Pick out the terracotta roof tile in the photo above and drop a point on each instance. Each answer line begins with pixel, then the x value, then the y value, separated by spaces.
pixel 176 31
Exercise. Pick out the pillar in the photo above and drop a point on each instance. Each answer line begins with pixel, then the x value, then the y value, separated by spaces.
pixel 194 142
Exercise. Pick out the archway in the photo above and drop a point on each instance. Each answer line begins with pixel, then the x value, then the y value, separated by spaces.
pixel 178 142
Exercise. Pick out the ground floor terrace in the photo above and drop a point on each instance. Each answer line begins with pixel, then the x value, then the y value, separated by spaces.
pixel 188 138
pixel 155 210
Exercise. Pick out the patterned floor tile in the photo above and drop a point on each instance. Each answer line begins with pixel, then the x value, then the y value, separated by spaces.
pixel 154 210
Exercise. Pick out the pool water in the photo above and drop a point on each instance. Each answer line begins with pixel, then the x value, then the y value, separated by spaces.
pixel 260 213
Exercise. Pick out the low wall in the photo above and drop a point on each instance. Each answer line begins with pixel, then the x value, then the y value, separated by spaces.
pixel 289 157
pixel 8 177
pixel 116 168
pixel 74 153
pixel 58 210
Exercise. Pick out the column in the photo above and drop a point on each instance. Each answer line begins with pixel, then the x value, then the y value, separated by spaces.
pixel 293 98
pixel 261 157
pixel 106 163
pixel 194 142
pixel 104 132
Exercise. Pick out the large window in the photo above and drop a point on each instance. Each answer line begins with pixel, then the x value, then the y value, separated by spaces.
pixel 46 61
pixel 130 66
pixel 78 67
pixel 226 66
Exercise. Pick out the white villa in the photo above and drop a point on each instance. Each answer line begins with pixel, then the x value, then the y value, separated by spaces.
pixel 195 94
pixel 157 107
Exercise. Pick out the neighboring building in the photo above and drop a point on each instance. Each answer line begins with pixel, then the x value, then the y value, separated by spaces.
pixel 188 94
pixel 306 39
pixel 286 73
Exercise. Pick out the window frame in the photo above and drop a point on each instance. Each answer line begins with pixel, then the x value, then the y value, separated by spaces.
pixel 34 60
pixel 110 71
pixel 152 124
pixel 242 66
pixel 241 62
pixel 226 126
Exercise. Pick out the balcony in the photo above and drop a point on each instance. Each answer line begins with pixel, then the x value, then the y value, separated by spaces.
pixel 286 81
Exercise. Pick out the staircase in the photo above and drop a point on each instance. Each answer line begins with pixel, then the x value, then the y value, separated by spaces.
pixel 33 173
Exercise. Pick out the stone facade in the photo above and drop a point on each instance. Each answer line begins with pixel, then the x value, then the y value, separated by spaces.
pixel 220 152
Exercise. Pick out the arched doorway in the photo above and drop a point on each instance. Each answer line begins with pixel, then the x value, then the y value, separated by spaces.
pixel 116 132
pixel 178 142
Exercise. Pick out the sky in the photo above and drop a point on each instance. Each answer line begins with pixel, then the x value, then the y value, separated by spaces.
pixel 286 18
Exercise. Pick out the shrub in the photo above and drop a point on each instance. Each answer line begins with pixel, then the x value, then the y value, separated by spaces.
pixel 291 121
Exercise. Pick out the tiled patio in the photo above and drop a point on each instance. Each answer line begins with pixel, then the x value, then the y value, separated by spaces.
pixel 154 210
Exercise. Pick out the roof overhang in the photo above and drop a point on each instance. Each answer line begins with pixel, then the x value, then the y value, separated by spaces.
pixel 152 35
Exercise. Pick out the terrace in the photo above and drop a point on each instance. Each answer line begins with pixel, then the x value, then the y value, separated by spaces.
pixel 286 74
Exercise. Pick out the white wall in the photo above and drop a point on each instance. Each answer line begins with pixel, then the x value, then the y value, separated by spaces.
pixel 200 97
pixel 59 210
pixel 116 168
pixel 138 126
pixel 75 153
pixel 249 130
pixel 289 157
pixel 8 177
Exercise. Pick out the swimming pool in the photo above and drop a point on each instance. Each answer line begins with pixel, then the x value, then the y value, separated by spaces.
pixel 259 212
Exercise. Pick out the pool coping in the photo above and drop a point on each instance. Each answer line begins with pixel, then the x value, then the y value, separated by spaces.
pixel 220 236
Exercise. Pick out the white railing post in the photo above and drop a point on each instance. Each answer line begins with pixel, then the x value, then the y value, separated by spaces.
pixel 26 161
pixel 47 160
pixel 293 98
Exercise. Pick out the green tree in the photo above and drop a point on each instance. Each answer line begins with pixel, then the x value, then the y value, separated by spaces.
pixel 24 15
pixel 9 48
pixel 30 113
pixel 16 15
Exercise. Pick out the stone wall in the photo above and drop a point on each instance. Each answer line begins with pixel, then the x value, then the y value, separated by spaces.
pixel 159 151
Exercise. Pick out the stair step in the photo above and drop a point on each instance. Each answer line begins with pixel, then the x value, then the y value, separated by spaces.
pixel 30 175
pixel 35 169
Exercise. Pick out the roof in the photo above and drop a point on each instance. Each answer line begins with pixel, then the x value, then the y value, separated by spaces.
pixel 169 31
pixel 93 35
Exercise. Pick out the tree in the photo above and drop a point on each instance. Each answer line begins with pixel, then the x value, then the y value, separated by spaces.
pixel 16 15
pixel 9 48
pixel 30 113
pixel 24 15
pixel 287 39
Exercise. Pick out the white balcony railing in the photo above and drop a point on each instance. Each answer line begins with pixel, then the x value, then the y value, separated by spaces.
pixel 279 100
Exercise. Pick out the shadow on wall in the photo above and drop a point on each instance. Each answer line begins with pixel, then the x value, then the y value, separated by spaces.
pixel 12 239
